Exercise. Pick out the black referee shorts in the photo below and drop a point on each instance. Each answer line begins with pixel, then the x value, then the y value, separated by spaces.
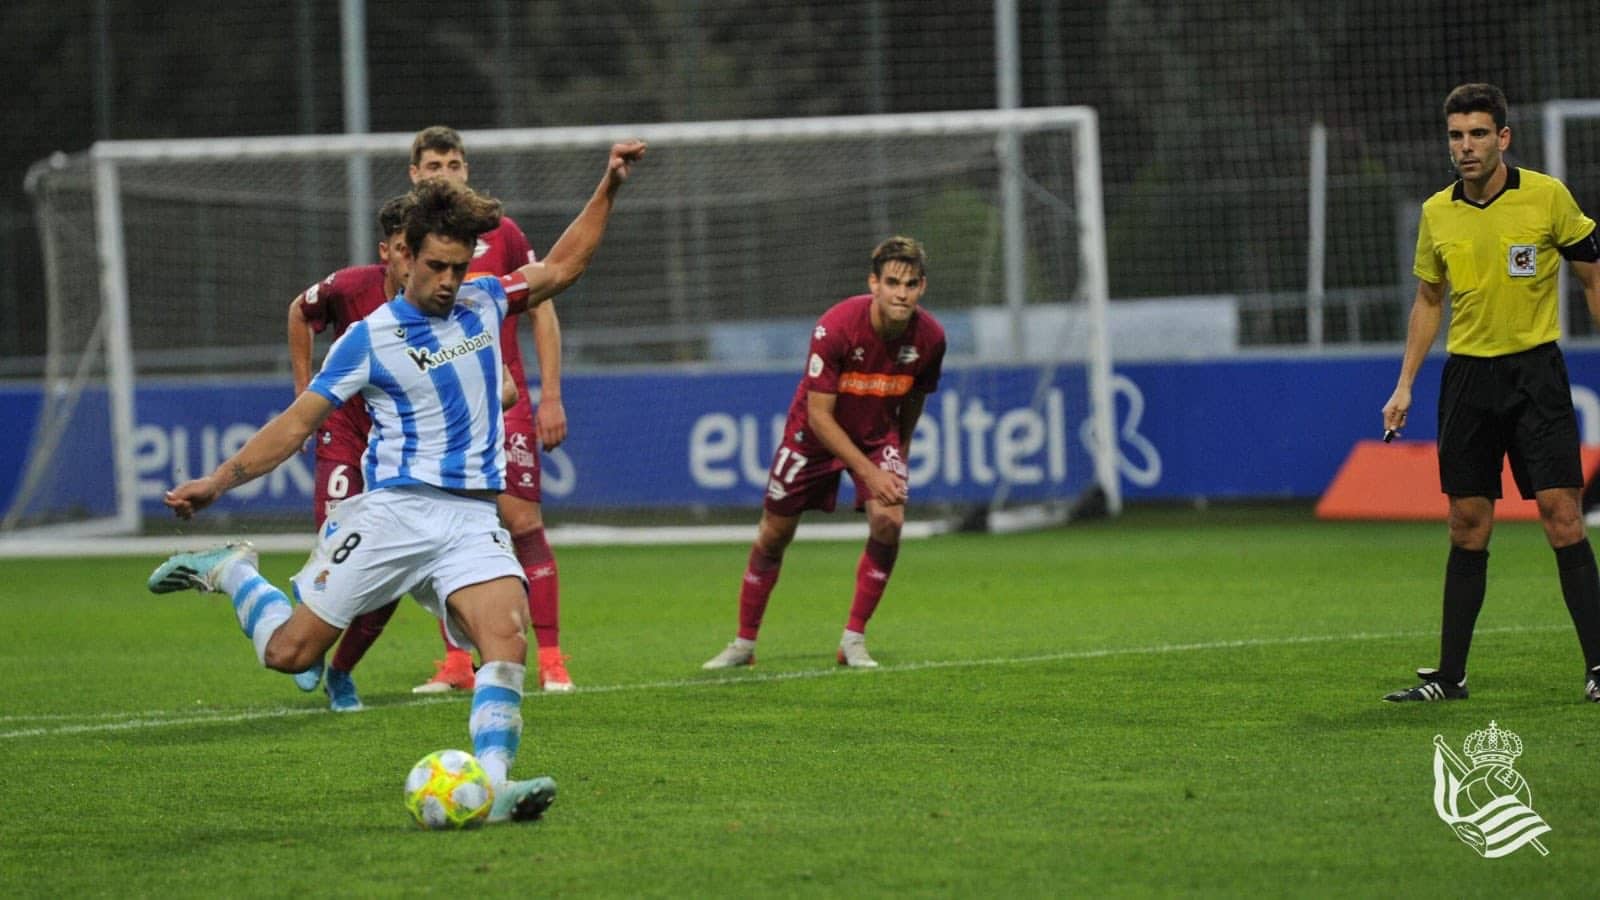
pixel 1519 405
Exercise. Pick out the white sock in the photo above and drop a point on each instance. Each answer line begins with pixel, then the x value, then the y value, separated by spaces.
pixel 496 722
pixel 262 609
pixel 744 644
pixel 852 637
pixel 235 575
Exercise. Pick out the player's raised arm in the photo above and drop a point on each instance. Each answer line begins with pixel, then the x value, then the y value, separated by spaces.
pixel 277 440
pixel 571 254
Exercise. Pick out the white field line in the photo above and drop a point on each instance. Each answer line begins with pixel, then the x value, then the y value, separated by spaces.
pixel 129 721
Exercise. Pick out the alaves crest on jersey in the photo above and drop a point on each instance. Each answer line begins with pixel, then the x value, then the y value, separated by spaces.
pixel 426 358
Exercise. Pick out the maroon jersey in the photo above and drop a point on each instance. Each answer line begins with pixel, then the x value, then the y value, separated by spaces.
pixel 869 375
pixel 340 300
pixel 501 252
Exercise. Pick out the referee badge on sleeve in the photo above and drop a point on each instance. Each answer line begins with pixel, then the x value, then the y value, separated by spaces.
pixel 1522 260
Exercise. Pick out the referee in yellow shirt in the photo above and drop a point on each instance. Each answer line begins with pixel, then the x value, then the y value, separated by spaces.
pixel 1497 236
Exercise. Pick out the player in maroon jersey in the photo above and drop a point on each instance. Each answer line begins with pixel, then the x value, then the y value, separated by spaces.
pixel 341 299
pixel 874 359
pixel 438 151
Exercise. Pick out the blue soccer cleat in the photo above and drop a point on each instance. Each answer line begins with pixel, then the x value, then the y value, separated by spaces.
pixel 309 679
pixel 522 801
pixel 341 690
pixel 199 570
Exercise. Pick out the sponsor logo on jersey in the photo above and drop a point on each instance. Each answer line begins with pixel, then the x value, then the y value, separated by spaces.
pixel 907 356
pixel 868 384
pixel 858 354
pixel 891 461
pixel 426 358
pixel 480 248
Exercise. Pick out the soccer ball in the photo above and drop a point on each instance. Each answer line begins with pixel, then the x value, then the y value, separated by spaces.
pixel 449 789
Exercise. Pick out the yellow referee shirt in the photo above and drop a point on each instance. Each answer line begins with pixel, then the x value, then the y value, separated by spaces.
pixel 1501 260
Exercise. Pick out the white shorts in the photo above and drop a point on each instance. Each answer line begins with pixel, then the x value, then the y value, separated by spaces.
pixel 415 540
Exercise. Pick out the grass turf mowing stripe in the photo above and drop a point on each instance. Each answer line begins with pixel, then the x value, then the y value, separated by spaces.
pixel 123 721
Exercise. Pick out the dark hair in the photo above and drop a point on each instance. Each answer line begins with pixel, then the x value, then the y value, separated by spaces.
pixel 442 207
pixel 440 139
pixel 392 215
pixel 1477 97
pixel 900 249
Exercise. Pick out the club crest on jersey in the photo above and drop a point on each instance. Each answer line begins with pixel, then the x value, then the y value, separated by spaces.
pixel 815 367
pixel 907 356
pixel 858 354
pixel 1522 260
pixel 426 358
pixel 480 248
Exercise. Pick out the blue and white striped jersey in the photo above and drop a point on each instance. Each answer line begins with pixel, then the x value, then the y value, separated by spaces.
pixel 433 387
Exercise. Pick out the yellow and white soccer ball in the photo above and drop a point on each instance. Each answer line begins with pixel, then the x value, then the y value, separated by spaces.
pixel 448 789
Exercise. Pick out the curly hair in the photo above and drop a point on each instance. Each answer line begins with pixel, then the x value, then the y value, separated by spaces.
pixel 442 207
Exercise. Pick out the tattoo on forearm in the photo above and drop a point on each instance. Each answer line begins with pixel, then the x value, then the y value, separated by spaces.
pixel 237 475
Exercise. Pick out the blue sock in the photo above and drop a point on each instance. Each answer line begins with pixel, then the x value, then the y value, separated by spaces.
pixel 496 723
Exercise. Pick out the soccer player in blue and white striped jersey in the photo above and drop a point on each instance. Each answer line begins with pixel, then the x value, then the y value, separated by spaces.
pixel 428 366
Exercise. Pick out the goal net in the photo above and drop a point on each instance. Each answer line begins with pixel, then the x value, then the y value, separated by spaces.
pixel 171 265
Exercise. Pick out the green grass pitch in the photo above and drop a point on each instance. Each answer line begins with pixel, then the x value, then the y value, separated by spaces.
pixel 1173 703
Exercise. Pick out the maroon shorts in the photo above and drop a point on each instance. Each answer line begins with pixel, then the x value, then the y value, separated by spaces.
pixel 522 460
pixel 337 479
pixel 799 482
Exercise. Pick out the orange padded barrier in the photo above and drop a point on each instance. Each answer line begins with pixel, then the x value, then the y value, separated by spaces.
pixel 1401 481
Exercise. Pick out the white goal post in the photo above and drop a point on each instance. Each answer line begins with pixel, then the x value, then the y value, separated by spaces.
pixel 192 249
pixel 1557 113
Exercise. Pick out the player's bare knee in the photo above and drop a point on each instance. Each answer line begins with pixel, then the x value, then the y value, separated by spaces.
pixel 885 524
pixel 520 517
pixel 287 656
pixel 506 640
pixel 773 537
pixel 523 525
pixel 1564 530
